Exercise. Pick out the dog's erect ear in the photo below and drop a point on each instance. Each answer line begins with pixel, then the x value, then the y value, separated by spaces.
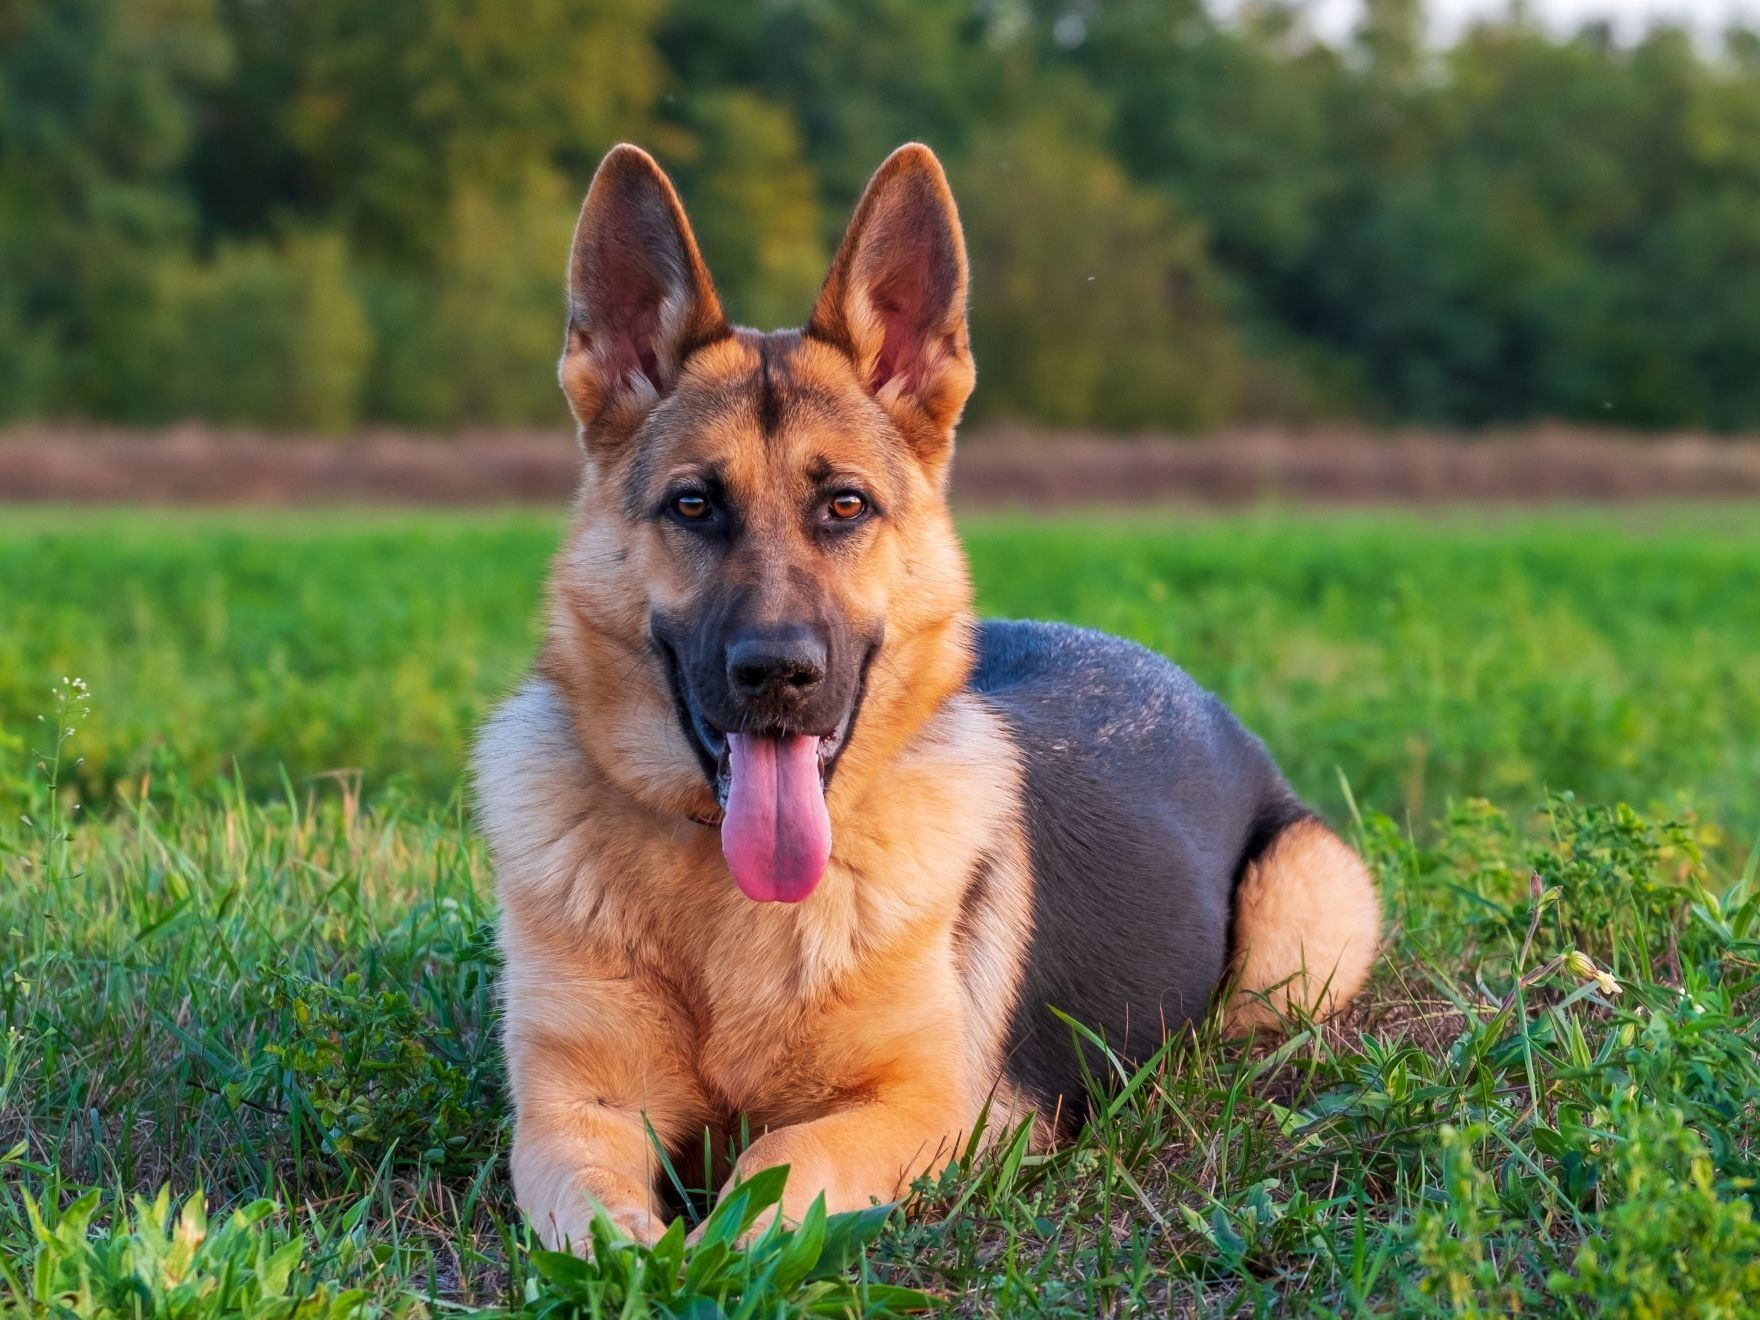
pixel 895 299
pixel 640 299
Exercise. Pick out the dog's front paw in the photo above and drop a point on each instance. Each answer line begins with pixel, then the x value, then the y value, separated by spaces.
pixel 570 1228
pixel 759 1227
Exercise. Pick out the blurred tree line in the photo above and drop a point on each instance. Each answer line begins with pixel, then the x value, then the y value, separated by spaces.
pixel 315 213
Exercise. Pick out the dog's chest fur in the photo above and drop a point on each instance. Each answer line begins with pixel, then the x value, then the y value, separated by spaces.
pixel 750 995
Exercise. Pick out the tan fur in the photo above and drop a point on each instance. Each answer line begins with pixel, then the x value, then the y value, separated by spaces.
pixel 1307 927
pixel 639 982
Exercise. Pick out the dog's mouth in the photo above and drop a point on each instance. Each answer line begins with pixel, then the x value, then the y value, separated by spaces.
pixel 824 748
pixel 770 785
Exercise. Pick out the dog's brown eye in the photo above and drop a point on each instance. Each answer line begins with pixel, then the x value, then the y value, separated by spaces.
pixel 693 507
pixel 848 505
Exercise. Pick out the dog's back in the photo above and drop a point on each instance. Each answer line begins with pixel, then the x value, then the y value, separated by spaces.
pixel 1148 806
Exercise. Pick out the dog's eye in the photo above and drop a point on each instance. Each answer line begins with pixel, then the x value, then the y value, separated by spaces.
pixel 847 504
pixel 691 507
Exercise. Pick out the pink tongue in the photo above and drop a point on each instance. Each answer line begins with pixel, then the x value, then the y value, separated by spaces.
pixel 777 833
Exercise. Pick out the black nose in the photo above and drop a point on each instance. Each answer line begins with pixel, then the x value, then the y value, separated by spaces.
pixel 786 664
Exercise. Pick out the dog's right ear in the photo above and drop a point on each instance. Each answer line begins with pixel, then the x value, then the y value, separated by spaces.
pixel 640 300
pixel 895 301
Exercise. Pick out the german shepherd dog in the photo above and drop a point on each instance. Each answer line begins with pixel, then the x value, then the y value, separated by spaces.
pixel 787 841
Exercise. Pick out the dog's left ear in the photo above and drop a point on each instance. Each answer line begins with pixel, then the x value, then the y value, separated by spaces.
pixel 895 300
pixel 640 299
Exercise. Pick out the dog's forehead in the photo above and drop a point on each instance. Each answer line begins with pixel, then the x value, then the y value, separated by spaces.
pixel 765 410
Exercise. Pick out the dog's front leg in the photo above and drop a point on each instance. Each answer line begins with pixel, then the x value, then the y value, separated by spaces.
pixel 854 1157
pixel 571 1159
pixel 596 1075
pixel 902 1051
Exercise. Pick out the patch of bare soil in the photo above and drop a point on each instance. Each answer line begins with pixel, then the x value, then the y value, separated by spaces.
pixel 998 466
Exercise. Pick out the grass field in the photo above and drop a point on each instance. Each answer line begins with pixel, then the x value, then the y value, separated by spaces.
pixel 244 953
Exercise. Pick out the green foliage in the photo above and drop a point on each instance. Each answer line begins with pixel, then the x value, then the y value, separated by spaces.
pixel 263 332
pixel 1433 659
pixel 381 1083
pixel 29 374
pixel 96 117
pixel 779 1271
pixel 755 208
pixel 1671 1242
pixel 224 651
pixel 1103 309
pixel 482 342
pixel 280 990
pixel 1453 1239
pixel 1528 225
pixel 155 1261
pixel 371 118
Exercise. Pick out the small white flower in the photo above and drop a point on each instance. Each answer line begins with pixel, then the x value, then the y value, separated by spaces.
pixel 1581 965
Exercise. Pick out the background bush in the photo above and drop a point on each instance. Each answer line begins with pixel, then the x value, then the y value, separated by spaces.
pixel 332 213
pixel 262 332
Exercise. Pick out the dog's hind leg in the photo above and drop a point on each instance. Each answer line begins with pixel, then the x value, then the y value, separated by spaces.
pixel 1307 926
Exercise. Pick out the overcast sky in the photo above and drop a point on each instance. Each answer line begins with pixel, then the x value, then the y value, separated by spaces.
pixel 1334 19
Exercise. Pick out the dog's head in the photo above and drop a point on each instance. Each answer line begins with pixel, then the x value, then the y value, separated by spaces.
pixel 763 581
